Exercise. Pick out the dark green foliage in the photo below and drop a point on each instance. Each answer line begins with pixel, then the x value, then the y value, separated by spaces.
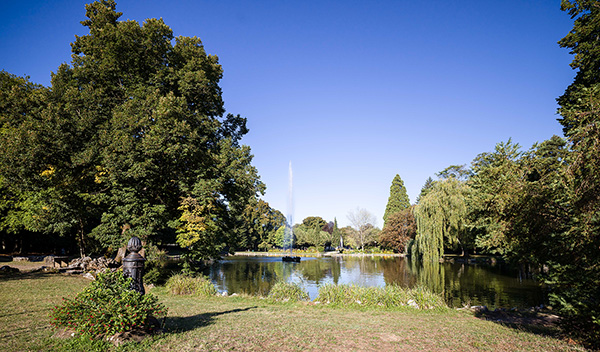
pixel 107 306
pixel 494 184
pixel 258 226
pixel 132 127
pixel 398 199
pixel 583 42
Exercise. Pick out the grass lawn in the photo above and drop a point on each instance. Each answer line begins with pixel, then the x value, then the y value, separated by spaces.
pixel 252 324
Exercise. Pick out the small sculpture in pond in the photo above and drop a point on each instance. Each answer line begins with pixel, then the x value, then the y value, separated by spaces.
pixel 133 265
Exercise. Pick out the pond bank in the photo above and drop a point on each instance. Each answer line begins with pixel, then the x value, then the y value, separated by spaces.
pixel 318 255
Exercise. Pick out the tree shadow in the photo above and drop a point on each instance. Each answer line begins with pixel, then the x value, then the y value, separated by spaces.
pixel 30 274
pixel 182 324
pixel 539 323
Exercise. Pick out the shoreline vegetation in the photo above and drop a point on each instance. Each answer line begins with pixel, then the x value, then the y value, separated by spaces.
pixel 252 323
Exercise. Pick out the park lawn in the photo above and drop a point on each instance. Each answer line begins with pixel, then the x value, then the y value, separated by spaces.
pixel 252 324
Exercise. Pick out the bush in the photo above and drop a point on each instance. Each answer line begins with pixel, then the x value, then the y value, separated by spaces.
pixel 390 296
pixel 187 285
pixel 285 292
pixel 107 306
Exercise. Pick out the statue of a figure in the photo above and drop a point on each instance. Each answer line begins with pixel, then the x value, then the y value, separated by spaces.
pixel 133 265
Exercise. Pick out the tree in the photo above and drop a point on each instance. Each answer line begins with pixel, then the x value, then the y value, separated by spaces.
pixel 458 172
pixel 425 189
pixel 400 228
pixel 441 220
pixel 398 199
pixel 583 42
pixel 258 224
pixel 494 184
pixel 312 233
pixel 363 223
pixel 132 135
pixel 540 211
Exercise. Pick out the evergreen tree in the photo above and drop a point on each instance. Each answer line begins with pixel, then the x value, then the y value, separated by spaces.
pixel 398 199
pixel 425 189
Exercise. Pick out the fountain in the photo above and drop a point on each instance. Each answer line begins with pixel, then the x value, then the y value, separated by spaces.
pixel 288 237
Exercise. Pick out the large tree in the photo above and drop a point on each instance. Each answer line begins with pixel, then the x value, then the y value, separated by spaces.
pixel 494 184
pixel 442 220
pixel 399 230
pixel 583 40
pixel 132 135
pixel 398 199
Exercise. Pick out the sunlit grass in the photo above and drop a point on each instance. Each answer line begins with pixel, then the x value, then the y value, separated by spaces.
pixel 239 323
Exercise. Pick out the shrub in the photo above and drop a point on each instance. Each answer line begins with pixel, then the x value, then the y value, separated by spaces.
pixel 107 306
pixel 390 296
pixel 284 292
pixel 187 285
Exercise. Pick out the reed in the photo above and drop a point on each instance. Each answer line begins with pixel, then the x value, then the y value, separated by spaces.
pixel 186 285
pixel 390 296
pixel 287 292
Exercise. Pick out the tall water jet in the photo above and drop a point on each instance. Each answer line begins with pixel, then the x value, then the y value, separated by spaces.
pixel 288 237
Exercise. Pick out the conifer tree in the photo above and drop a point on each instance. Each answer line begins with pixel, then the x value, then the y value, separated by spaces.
pixel 398 199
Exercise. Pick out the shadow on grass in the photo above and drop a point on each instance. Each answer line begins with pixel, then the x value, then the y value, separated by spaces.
pixel 533 322
pixel 181 324
pixel 23 275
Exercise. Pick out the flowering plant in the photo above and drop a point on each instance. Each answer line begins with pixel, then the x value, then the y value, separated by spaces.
pixel 106 307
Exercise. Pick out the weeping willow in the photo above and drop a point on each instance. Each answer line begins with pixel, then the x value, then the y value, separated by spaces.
pixel 440 216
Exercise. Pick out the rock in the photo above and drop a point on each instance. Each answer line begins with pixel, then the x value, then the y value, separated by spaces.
pixel 20 259
pixel 479 309
pixel 64 333
pixel 89 276
pixel 137 335
pixel 8 269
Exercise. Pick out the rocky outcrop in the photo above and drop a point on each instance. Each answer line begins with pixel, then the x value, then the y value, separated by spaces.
pixel 85 264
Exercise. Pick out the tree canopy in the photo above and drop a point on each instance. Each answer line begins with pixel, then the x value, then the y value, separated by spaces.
pixel 131 138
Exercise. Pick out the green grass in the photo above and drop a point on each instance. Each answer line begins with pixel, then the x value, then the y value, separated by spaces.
pixel 253 324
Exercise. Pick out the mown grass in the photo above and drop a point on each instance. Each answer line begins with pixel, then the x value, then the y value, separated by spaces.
pixel 238 323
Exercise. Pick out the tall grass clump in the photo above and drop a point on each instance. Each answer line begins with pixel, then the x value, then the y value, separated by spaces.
pixel 390 296
pixel 180 284
pixel 287 292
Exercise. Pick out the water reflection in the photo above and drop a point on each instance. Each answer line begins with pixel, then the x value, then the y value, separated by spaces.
pixel 459 283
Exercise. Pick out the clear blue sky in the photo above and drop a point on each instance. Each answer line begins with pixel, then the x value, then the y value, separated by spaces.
pixel 351 92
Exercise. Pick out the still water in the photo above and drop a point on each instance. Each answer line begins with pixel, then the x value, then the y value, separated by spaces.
pixel 493 286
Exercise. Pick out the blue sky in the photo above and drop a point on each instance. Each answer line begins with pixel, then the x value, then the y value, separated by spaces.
pixel 351 92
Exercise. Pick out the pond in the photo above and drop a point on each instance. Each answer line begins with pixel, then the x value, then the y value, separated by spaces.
pixel 494 286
